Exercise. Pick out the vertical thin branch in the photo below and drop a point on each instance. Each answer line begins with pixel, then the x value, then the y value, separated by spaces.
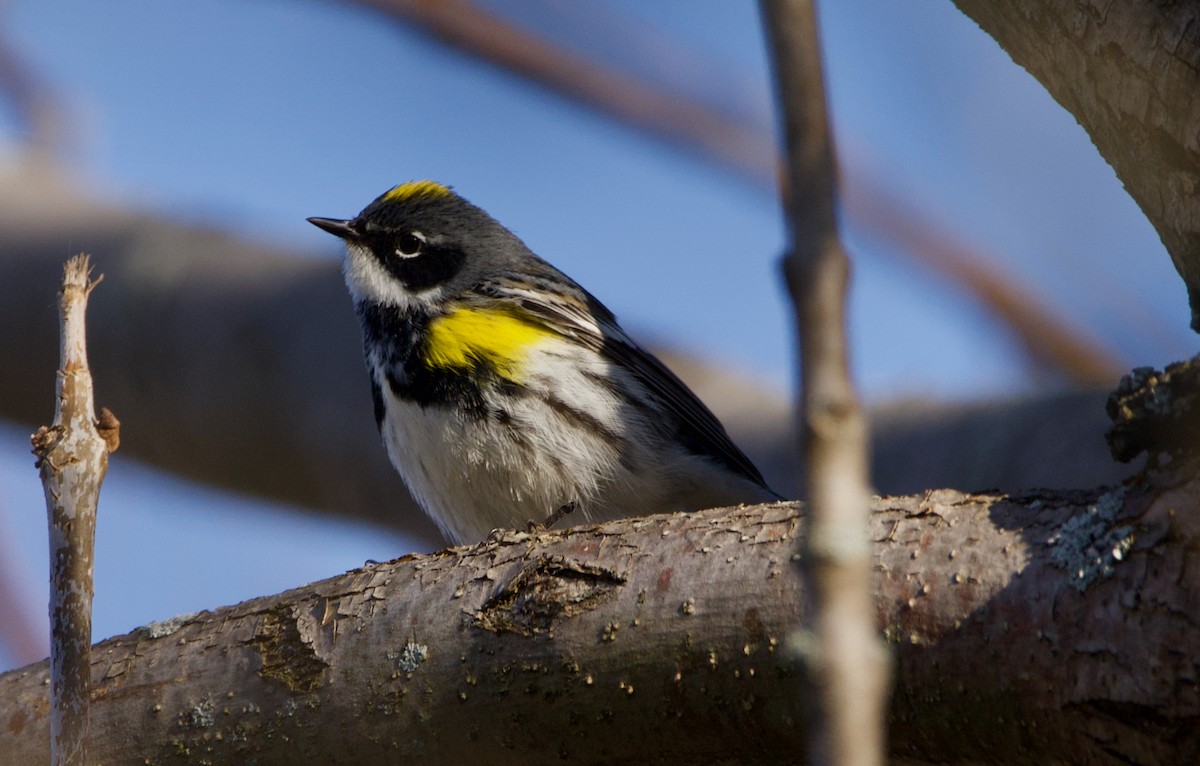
pixel 72 456
pixel 847 663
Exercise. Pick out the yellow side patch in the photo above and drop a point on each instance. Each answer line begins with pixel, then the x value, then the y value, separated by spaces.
pixel 500 337
pixel 417 190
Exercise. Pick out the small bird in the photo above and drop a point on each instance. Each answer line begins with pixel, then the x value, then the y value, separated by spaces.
pixel 505 393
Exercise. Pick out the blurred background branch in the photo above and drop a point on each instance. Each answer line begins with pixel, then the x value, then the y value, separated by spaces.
pixel 34 103
pixel 269 399
pixel 1129 72
pixel 721 131
pixel 1047 336
pixel 238 364
pixel 725 136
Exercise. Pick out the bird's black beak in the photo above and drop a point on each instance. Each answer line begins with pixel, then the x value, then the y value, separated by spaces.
pixel 338 228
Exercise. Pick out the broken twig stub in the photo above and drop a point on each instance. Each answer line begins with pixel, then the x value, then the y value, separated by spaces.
pixel 72 457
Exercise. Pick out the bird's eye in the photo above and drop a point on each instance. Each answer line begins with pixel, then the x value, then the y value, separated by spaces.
pixel 410 243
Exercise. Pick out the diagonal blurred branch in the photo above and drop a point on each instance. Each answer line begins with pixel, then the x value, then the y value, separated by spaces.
pixel 1047 338
pixel 743 145
pixel 680 120
pixel 1129 73
pixel 32 101
pixel 238 365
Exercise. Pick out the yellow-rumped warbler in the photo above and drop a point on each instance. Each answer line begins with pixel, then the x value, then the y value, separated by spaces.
pixel 505 392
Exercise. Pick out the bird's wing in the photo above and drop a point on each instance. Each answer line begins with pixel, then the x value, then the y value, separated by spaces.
pixel 578 315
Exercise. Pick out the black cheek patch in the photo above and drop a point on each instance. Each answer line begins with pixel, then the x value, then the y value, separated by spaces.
pixel 431 268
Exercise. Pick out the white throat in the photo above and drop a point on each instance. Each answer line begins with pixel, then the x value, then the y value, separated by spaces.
pixel 368 281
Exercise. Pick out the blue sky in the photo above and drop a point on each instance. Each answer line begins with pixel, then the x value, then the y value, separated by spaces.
pixel 253 115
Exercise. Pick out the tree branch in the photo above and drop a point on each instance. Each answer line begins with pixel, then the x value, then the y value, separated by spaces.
pixel 1027 629
pixel 848 667
pixel 1050 340
pixel 36 103
pixel 72 456
pixel 1129 73
pixel 726 137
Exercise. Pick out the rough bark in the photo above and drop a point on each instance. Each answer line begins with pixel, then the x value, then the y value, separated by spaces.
pixel 1051 628
pixel 1129 72
pixel 1157 413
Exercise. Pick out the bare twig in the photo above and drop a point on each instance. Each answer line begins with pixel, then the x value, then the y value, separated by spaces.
pixel 72 458
pixel 848 666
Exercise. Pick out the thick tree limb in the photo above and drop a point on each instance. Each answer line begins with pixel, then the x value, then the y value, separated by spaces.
pixel 1129 73
pixel 72 455
pixel 849 671
pixel 1027 630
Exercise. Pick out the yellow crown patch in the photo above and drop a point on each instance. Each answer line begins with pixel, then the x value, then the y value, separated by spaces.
pixel 500 337
pixel 417 190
